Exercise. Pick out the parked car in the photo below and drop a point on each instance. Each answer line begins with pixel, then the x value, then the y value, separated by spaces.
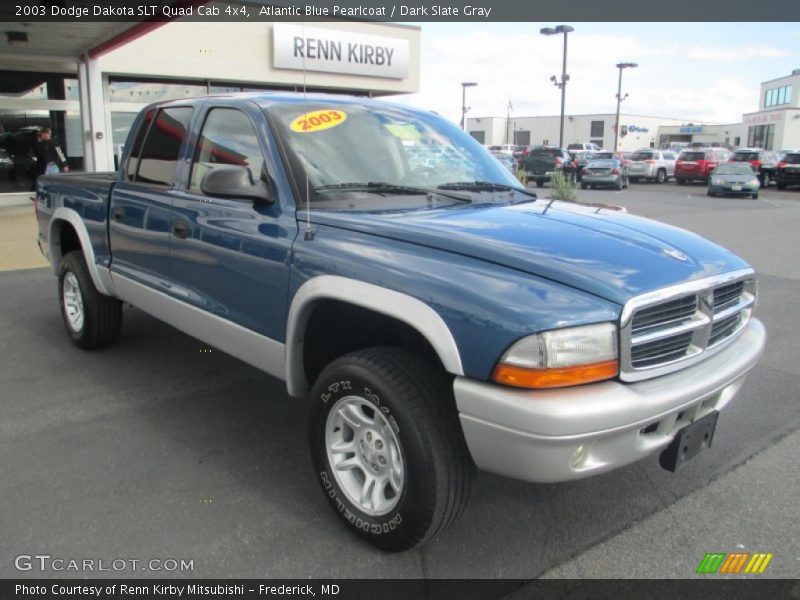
pixel 510 149
pixel 583 147
pixel 543 161
pixel 754 156
pixel 581 158
pixel 434 319
pixel 768 167
pixel 508 161
pixel 651 164
pixel 696 164
pixel 734 179
pixel 608 172
pixel 788 170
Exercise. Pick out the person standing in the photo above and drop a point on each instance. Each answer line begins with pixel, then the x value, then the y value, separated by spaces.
pixel 50 158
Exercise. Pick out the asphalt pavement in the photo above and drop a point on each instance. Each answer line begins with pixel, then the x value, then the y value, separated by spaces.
pixel 162 448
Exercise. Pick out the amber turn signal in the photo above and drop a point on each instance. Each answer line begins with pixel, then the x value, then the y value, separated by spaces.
pixel 554 378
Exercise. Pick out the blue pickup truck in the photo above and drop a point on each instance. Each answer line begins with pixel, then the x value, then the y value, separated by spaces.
pixel 439 315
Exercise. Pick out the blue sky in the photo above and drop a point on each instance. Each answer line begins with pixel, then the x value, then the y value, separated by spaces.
pixel 691 71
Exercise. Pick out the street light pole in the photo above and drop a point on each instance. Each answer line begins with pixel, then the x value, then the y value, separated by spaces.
pixel 620 66
pixel 565 29
pixel 464 109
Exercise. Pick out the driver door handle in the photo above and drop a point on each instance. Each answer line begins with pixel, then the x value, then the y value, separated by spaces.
pixel 180 229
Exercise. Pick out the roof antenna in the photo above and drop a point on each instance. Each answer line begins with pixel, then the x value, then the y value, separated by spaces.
pixel 309 234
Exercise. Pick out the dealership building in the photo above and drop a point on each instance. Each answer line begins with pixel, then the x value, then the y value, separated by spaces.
pixel 87 81
pixel 636 131
pixel 775 125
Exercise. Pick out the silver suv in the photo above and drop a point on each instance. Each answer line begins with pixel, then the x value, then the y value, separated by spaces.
pixel 654 165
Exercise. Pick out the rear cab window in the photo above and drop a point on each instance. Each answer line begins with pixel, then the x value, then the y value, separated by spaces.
pixel 692 156
pixel 643 156
pixel 154 156
pixel 744 156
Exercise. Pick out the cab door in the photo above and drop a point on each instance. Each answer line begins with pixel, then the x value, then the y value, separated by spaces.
pixel 230 256
pixel 140 205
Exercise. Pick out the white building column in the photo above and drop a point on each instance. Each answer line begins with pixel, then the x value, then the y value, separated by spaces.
pixel 95 118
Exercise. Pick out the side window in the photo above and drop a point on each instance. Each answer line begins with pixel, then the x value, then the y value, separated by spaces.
pixel 227 138
pixel 159 153
pixel 136 148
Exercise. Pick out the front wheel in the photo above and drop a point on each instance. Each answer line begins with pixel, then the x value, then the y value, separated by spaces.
pixel 93 320
pixel 387 447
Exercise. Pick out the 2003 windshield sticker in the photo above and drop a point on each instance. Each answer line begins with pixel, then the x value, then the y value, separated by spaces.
pixel 318 120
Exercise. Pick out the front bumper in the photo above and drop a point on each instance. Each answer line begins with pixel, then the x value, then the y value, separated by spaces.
pixel 560 435
pixel 727 190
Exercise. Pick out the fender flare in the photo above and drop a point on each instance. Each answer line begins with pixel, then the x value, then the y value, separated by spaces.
pixel 100 279
pixel 402 307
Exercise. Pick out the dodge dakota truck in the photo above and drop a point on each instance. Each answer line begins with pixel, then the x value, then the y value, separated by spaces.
pixel 438 315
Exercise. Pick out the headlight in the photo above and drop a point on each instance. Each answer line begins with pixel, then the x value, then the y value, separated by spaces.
pixel 718 181
pixel 561 357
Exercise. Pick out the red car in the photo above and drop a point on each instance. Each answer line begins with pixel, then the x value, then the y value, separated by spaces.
pixel 696 164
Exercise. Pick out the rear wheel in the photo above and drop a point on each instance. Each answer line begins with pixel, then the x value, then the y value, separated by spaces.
pixel 680 180
pixel 661 176
pixel 93 320
pixel 618 185
pixel 781 186
pixel 387 446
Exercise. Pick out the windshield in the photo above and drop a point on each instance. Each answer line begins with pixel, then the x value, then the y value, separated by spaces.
pixel 733 169
pixel 346 146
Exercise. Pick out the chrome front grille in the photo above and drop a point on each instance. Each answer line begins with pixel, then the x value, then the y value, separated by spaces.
pixel 671 328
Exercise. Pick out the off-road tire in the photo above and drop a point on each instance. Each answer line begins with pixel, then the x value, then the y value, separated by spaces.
pixel 416 400
pixel 102 315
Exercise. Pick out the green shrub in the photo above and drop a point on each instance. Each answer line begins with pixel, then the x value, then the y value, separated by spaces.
pixel 562 188
pixel 522 176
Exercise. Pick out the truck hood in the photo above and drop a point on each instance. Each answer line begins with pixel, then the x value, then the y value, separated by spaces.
pixel 605 252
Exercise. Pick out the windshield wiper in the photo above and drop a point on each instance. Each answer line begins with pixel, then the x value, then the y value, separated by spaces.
pixel 380 187
pixel 484 186
pixel 371 186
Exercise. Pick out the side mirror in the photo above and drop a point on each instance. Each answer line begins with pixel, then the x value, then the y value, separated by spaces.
pixel 235 181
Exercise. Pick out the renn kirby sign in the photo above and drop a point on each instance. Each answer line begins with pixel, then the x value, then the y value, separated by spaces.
pixel 333 51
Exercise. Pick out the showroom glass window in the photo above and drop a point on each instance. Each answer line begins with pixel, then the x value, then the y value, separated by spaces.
pixel 158 156
pixel 761 136
pixel 778 96
pixel 227 138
